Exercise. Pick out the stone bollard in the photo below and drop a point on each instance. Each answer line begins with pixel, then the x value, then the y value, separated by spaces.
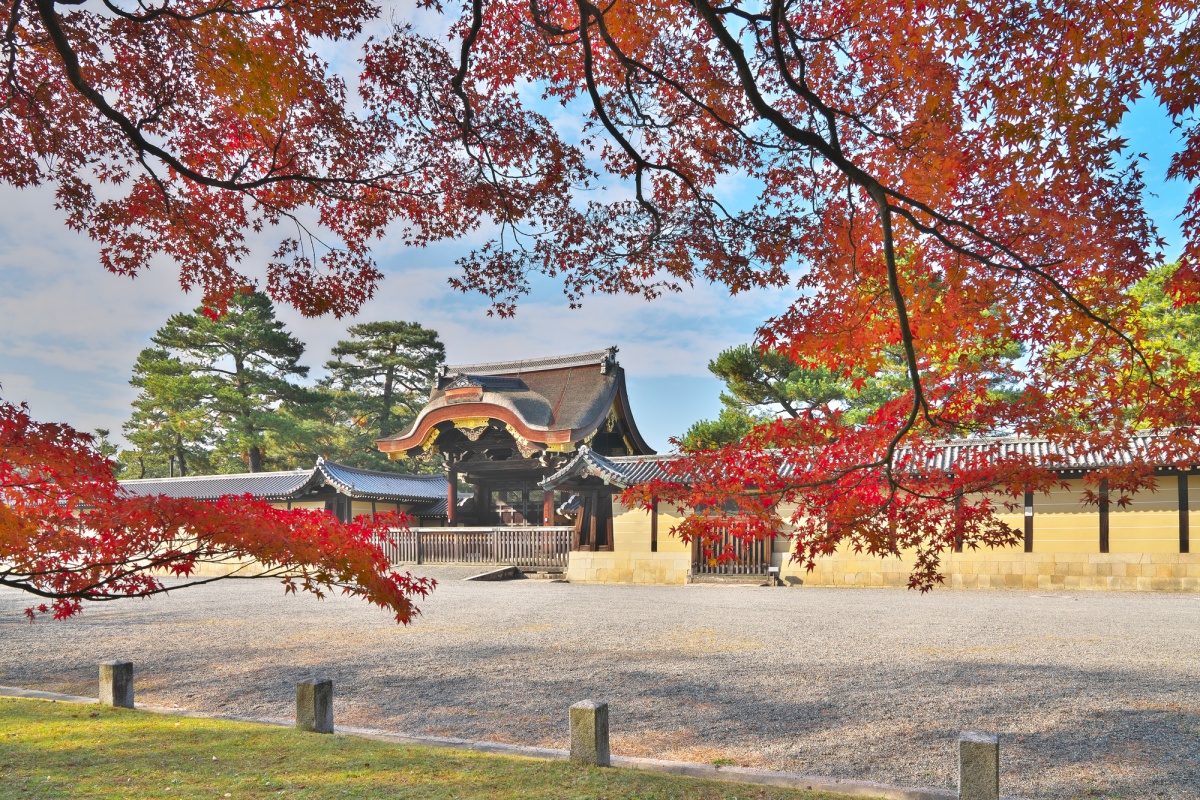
pixel 314 706
pixel 589 733
pixel 978 766
pixel 116 683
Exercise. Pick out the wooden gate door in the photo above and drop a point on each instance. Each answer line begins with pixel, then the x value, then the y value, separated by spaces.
pixel 752 558
pixel 593 521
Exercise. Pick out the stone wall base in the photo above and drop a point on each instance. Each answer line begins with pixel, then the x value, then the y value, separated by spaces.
pixel 244 568
pixel 999 569
pixel 629 567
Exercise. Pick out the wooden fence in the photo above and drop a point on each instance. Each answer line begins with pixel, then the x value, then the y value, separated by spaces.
pixel 519 547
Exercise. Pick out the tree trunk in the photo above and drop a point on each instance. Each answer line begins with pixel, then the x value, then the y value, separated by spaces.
pixel 385 416
pixel 255 459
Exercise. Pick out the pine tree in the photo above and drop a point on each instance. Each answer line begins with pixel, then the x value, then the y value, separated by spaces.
pixel 378 380
pixel 216 387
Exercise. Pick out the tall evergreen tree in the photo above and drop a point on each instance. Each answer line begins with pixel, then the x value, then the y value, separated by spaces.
pixel 386 369
pixel 378 380
pixel 169 428
pixel 762 384
pixel 219 385
pixel 1169 325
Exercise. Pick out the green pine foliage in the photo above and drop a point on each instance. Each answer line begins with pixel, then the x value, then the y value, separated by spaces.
pixel 213 392
pixel 224 395
pixel 1166 323
pixel 760 385
pixel 379 378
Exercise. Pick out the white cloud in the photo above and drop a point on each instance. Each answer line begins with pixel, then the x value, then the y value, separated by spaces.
pixel 69 331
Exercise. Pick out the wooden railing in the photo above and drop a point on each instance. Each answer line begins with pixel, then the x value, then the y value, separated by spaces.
pixel 519 547
pixel 753 558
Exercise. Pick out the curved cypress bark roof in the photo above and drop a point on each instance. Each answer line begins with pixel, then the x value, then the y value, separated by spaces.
pixel 558 400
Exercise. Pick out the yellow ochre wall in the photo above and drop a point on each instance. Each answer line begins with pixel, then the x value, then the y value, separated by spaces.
pixel 631 560
pixel 1143 544
pixel 312 505
pixel 1149 523
pixel 1063 524
pixel 360 507
pixel 1010 569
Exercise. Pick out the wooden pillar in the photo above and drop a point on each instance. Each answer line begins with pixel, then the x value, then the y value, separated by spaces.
pixel 654 527
pixel 483 504
pixel 958 526
pixel 1028 521
pixel 1104 515
pixel 452 499
pixel 1184 528
pixel 548 508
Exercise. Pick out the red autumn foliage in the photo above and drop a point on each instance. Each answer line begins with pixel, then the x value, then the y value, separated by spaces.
pixel 69 534
pixel 937 177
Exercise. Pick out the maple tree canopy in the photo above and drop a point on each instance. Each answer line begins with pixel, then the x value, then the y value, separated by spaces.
pixel 70 534
pixel 939 178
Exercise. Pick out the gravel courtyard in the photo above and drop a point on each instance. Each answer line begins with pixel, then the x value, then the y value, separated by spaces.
pixel 1094 695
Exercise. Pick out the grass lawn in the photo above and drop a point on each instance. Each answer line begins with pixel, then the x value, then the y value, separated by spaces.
pixel 52 749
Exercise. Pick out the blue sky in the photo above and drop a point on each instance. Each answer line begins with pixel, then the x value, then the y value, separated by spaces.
pixel 69 331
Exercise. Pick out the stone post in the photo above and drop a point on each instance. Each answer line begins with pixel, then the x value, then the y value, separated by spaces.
pixel 978 766
pixel 589 733
pixel 116 683
pixel 314 706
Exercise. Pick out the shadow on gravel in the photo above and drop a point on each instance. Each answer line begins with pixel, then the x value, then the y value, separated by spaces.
pixel 869 685
pixel 1066 733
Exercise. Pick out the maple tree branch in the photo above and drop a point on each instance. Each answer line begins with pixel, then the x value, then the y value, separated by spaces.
pixel 831 150
pixel 464 65
pixel 543 23
pixel 142 146
pixel 906 337
pixel 225 8
pixel 586 12
pixel 10 43
pixel 88 592
pixel 632 64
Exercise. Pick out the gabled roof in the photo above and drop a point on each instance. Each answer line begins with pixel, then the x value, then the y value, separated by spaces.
pixel 554 400
pixel 522 366
pixel 370 484
pixel 277 486
pixel 621 471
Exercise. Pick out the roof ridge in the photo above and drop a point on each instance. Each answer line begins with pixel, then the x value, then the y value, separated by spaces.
pixel 297 471
pixel 380 473
pixel 532 364
pixel 639 459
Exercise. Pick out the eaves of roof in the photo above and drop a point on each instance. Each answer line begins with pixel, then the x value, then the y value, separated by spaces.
pixel 280 486
pixel 360 483
pixel 260 485
pixel 626 471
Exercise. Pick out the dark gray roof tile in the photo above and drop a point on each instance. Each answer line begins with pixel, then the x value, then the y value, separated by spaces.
pixel 625 471
pixel 382 485
pixel 262 485
pixel 353 482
